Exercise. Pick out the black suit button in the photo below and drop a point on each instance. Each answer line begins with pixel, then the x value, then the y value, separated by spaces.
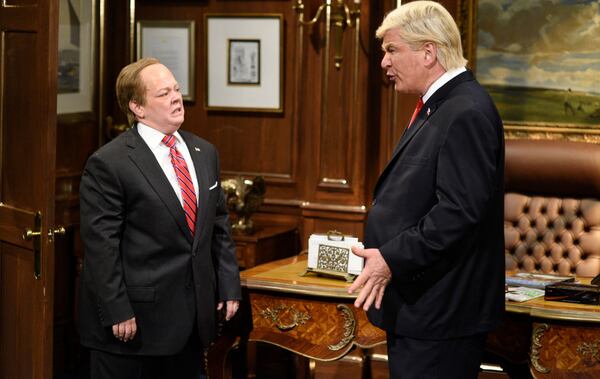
pixel 194 254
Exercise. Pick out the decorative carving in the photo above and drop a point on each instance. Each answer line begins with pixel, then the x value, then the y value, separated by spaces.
pixel 591 349
pixel 536 344
pixel 349 326
pixel 333 258
pixel 273 314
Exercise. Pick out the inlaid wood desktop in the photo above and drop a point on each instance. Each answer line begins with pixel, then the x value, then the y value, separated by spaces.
pixel 314 317
pixel 310 315
pixel 556 339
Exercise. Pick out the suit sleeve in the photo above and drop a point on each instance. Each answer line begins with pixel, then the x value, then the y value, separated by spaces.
pixel 102 218
pixel 466 179
pixel 223 249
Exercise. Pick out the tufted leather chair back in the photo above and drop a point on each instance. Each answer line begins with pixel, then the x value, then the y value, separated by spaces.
pixel 552 207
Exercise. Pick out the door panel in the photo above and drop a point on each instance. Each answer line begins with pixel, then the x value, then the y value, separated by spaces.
pixel 18 119
pixel 28 75
pixel 16 271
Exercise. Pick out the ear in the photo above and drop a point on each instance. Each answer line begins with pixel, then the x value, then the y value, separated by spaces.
pixel 430 50
pixel 137 109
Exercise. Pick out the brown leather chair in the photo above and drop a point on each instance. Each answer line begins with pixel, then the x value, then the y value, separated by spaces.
pixel 552 207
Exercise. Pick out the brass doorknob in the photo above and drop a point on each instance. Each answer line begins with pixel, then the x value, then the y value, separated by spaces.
pixel 59 230
pixel 29 234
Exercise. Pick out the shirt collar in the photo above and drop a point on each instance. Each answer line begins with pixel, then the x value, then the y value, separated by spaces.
pixel 153 137
pixel 445 78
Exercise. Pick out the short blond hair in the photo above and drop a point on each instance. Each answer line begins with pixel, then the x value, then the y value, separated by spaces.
pixel 130 87
pixel 419 22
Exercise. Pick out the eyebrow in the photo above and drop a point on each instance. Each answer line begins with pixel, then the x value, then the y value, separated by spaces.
pixel 168 88
pixel 384 46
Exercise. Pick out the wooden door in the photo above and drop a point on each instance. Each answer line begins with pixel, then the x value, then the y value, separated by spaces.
pixel 28 76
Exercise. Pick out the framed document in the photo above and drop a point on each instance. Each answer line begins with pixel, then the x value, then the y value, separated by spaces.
pixel 171 42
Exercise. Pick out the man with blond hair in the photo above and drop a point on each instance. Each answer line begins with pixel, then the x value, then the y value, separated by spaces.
pixel 159 261
pixel 434 239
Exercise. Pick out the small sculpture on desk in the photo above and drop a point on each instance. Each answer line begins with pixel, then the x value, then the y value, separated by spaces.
pixel 243 198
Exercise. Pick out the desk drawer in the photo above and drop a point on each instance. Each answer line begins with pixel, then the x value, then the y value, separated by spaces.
pixel 565 350
pixel 319 328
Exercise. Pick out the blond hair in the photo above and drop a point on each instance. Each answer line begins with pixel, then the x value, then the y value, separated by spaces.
pixel 419 22
pixel 130 87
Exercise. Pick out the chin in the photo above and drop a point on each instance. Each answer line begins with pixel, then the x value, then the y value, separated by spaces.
pixel 177 120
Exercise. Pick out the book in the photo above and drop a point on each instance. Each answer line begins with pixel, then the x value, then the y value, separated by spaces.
pixel 521 294
pixel 573 293
pixel 525 279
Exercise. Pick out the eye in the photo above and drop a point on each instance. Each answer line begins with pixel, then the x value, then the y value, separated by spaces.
pixel 177 89
pixel 162 94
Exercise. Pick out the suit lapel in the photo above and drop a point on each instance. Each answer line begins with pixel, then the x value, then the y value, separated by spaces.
pixel 429 108
pixel 144 159
pixel 202 175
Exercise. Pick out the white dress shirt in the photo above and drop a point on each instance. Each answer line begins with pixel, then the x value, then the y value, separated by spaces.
pixel 445 78
pixel 153 139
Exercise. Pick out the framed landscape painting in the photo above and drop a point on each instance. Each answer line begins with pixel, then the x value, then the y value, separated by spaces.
pixel 540 61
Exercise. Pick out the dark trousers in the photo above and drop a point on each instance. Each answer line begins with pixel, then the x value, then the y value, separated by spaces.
pixel 186 364
pixel 457 358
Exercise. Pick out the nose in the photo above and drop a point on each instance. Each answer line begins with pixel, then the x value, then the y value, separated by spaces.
pixel 177 97
pixel 385 61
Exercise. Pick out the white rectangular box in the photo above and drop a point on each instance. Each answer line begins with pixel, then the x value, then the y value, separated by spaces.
pixel 333 254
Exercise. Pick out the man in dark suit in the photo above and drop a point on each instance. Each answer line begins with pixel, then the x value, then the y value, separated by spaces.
pixel 434 243
pixel 159 261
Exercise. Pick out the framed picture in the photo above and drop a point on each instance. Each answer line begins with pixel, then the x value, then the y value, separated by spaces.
pixel 243 62
pixel 536 61
pixel 171 42
pixel 76 56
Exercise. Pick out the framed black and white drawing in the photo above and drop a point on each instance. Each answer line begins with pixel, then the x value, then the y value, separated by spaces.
pixel 243 62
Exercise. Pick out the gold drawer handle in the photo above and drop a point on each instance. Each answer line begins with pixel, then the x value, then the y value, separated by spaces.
pixel 298 318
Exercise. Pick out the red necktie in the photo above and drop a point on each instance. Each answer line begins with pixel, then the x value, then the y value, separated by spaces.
pixel 185 182
pixel 416 112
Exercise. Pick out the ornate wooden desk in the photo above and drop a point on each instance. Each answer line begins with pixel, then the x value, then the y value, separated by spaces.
pixel 558 340
pixel 315 318
pixel 309 315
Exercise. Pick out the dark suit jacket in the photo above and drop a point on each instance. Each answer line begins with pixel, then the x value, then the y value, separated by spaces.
pixel 437 218
pixel 140 258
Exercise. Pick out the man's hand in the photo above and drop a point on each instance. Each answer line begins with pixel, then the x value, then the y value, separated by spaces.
pixel 374 278
pixel 125 331
pixel 230 309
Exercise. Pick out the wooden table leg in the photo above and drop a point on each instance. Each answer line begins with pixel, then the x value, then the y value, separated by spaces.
pixel 251 360
pixel 366 364
pixel 305 367
pixel 218 366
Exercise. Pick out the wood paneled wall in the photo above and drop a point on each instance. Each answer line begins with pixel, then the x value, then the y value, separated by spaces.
pixel 320 157
pixel 317 156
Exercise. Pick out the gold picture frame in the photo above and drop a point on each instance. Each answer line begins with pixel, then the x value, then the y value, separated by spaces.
pixel 173 43
pixel 243 62
pixel 540 93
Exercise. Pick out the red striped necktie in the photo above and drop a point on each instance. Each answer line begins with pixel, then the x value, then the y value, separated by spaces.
pixel 416 112
pixel 185 182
